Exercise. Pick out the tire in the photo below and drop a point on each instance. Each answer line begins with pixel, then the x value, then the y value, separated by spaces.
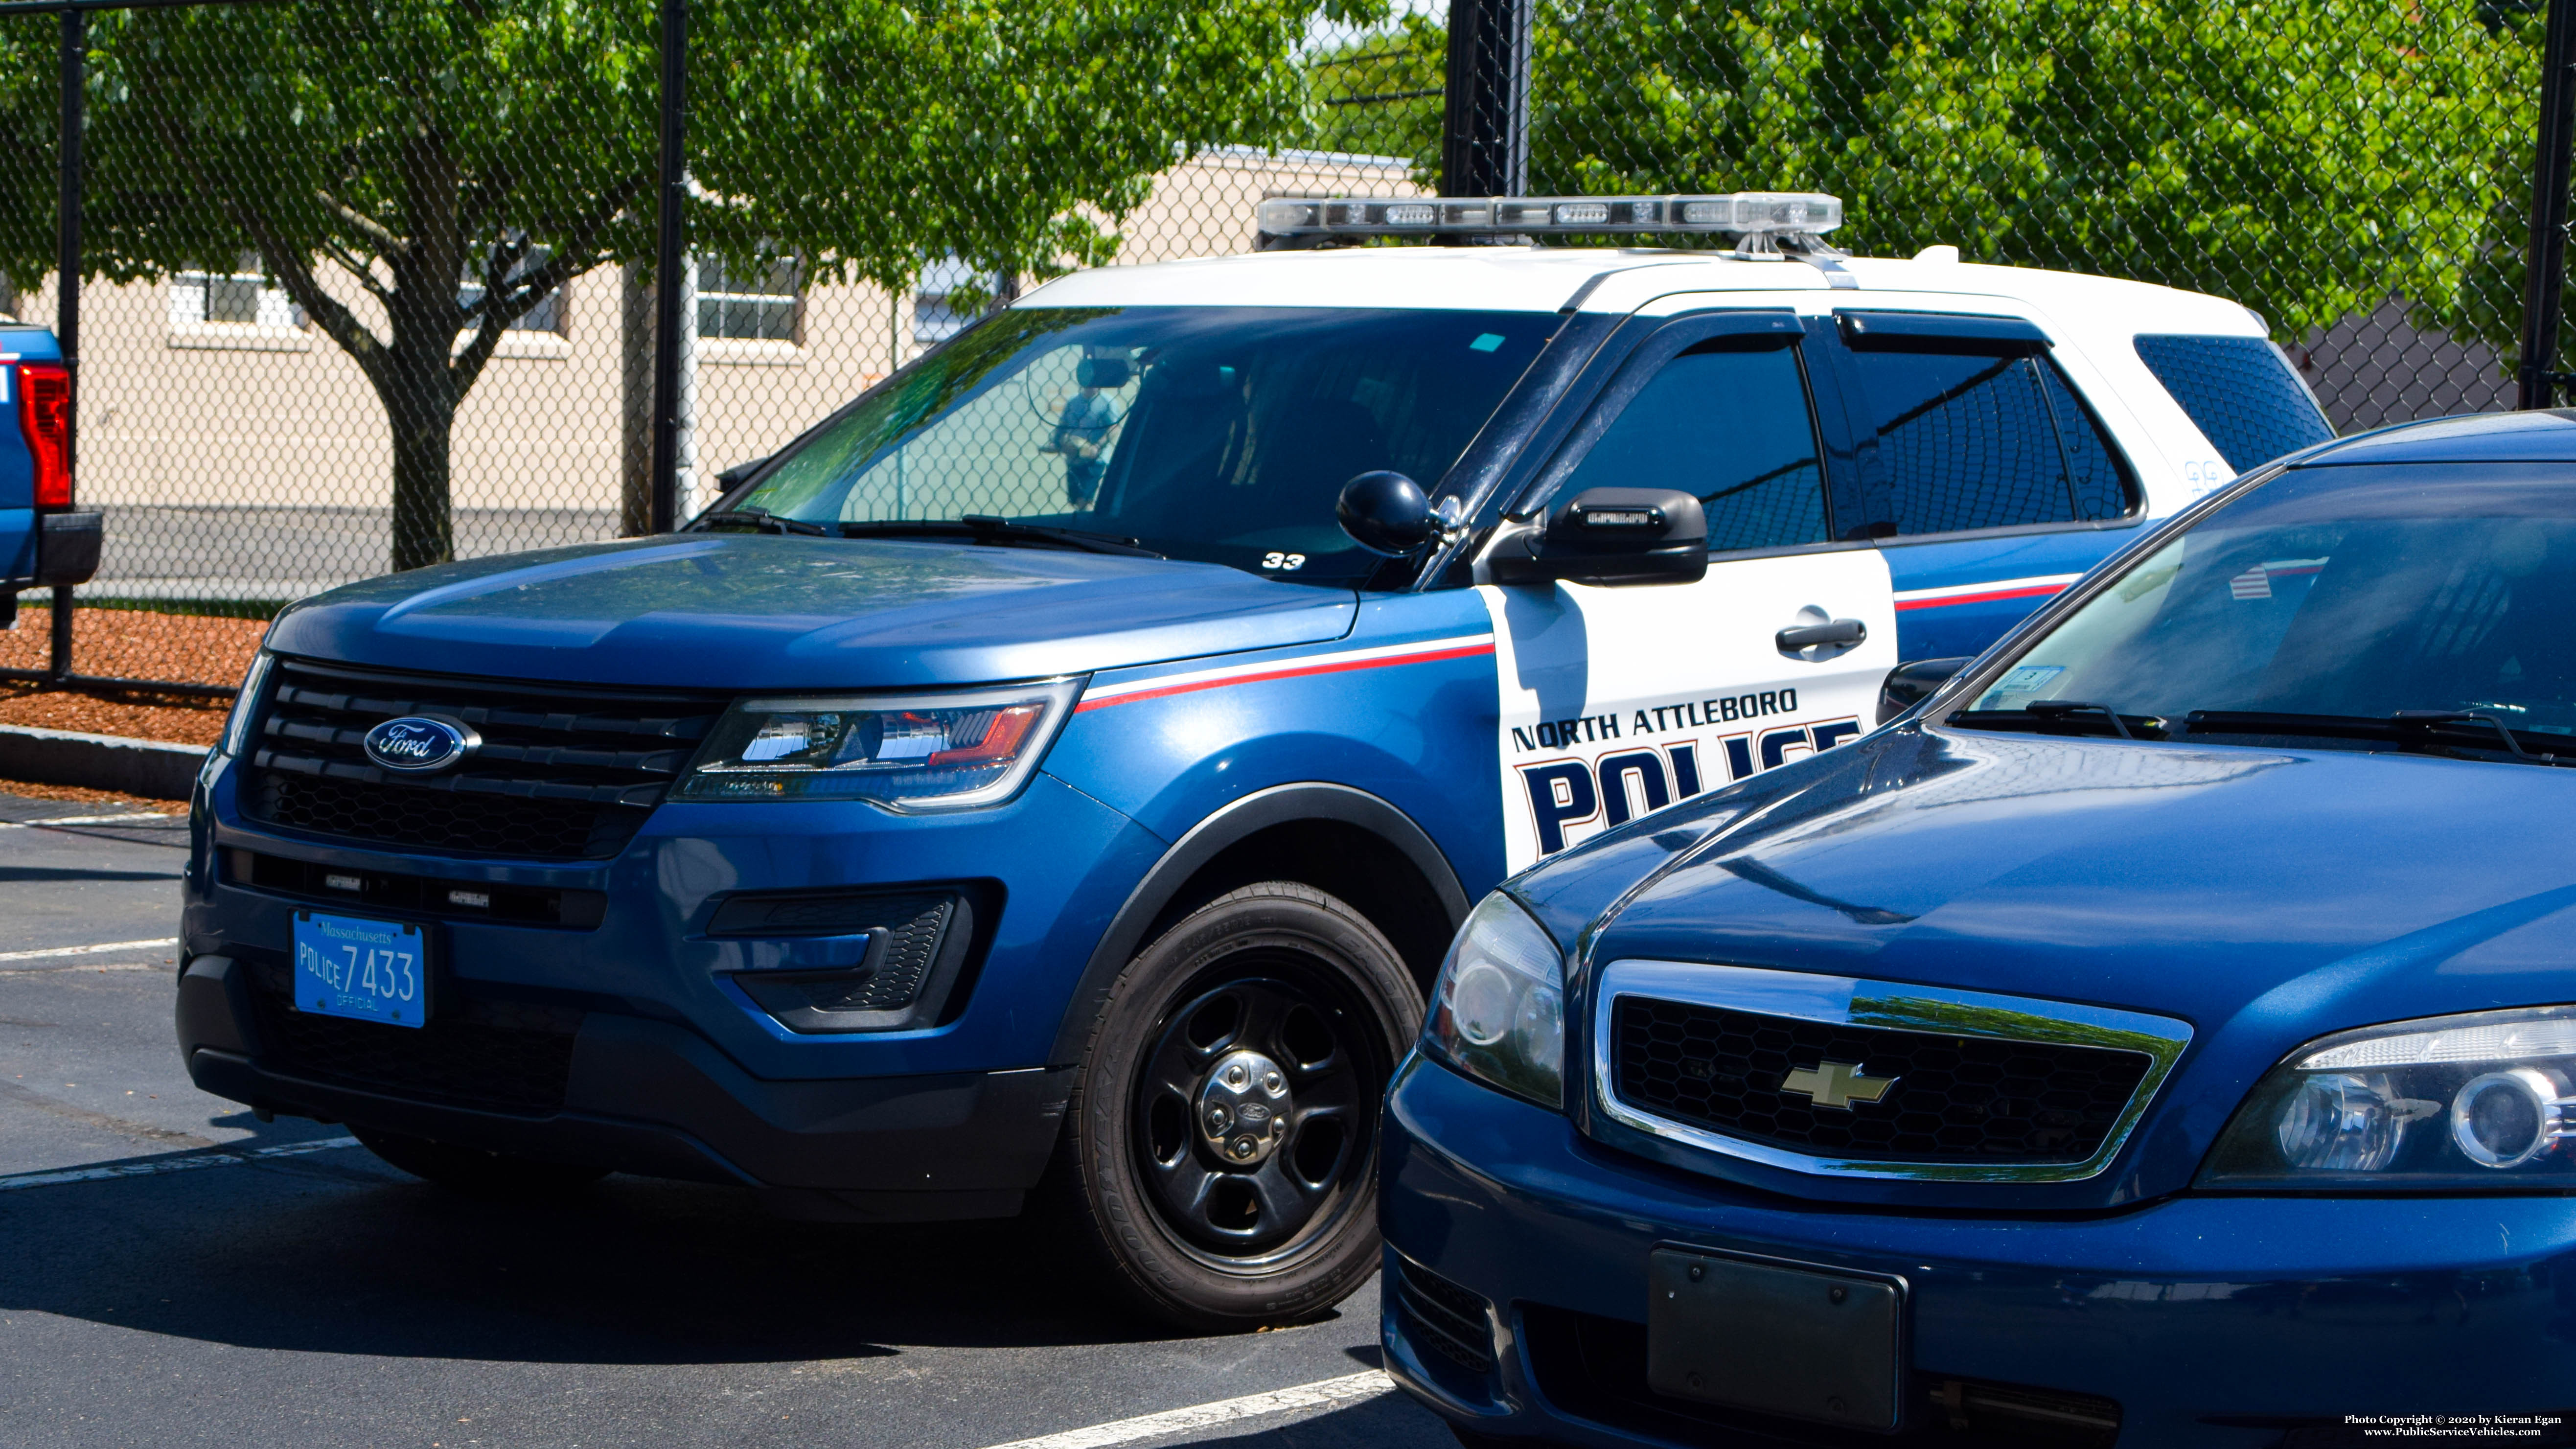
pixel 1286 1008
pixel 474 1171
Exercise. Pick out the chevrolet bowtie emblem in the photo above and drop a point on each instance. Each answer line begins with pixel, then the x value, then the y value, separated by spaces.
pixel 1836 1084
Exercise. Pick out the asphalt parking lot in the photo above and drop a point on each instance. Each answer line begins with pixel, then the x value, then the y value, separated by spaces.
pixel 173 1271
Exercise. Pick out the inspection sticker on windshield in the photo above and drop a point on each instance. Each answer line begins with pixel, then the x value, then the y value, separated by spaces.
pixel 2029 679
pixel 361 969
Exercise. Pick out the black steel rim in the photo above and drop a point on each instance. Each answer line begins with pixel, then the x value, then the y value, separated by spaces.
pixel 1218 1206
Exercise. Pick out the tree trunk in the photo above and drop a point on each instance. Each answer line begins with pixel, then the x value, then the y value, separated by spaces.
pixel 420 404
pixel 635 400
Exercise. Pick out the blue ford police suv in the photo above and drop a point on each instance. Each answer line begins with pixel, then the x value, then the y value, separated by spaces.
pixel 1062 770
pixel 2166 1034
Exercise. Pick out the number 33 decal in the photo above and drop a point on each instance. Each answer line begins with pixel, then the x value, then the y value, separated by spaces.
pixel 1284 562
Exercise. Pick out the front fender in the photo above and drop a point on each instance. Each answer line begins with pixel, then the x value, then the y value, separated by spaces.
pixel 1229 825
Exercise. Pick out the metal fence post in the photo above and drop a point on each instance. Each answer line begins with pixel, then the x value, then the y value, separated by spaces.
pixel 67 289
pixel 670 253
pixel 1484 123
pixel 2545 261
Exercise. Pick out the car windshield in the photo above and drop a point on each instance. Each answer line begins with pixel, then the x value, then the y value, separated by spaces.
pixel 1221 434
pixel 2359 592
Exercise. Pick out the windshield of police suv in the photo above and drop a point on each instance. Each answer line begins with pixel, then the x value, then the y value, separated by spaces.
pixel 2352 592
pixel 1221 434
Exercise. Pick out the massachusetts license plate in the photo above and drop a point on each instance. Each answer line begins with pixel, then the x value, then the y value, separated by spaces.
pixel 365 970
pixel 1777 1338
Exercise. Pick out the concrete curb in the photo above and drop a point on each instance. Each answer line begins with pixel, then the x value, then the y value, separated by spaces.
pixel 152 769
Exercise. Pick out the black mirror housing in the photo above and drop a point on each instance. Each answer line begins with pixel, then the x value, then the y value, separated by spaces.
pixel 1612 536
pixel 1386 513
pixel 1912 683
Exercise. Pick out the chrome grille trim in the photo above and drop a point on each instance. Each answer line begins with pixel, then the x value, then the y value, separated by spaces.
pixel 1899 1006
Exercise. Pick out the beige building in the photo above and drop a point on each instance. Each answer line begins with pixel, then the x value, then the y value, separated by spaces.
pixel 240 454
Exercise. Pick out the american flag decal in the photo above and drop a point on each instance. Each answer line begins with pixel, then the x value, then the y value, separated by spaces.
pixel 2256 582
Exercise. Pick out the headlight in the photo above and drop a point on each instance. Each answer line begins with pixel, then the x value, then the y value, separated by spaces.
pixel 1498 1011
pixel 2486 1100
pixel 236 736
pixel 904 752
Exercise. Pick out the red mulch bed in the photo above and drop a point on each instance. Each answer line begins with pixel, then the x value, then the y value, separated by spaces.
pixel 132 644
pixel 138 644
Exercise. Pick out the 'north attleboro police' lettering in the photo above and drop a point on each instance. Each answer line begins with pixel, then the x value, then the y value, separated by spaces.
pixel 1624 783
pixel 1691 714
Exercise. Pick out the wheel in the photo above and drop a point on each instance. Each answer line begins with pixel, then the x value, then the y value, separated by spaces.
pixel 1220 1150
pixel 472 1170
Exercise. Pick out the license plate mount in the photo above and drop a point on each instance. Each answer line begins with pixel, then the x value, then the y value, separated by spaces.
pixel 1793 1339
pixel 361 969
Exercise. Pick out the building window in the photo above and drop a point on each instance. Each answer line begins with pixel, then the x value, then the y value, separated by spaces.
pixel 238 298
pixel 546 316
pixel 951 295
pixel 764 304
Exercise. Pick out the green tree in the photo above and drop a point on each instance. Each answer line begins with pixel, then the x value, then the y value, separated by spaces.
pixel 2310 158
pixel 417 174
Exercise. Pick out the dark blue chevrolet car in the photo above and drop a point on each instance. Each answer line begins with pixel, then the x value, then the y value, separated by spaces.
pixel 2164 1033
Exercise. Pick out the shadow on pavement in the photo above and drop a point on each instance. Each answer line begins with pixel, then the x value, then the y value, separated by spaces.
pixel 333 1251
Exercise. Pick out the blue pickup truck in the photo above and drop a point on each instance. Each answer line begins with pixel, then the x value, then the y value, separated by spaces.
pixel 44 541
pixel 1059 773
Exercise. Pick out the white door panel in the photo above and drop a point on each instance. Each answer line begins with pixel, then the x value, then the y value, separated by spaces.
pixel 1618 701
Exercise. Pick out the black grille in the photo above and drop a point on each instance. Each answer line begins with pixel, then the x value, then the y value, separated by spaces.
pixel 1445 1318
pixel 467 900
pixel 561 774
pixel 496 1056
pixel 1955 1098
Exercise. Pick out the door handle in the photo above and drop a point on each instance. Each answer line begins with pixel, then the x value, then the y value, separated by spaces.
pixel 1840 631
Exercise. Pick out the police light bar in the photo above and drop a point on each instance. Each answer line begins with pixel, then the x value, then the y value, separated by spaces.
pixel 1742 213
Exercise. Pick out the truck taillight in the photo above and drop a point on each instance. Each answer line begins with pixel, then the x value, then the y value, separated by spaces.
pixel 45 417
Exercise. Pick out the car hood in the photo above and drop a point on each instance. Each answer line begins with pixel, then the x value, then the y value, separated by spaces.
pixel 2263 896
pixel 764 612
pixel 2192 882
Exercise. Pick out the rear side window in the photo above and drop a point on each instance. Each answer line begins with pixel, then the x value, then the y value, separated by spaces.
pixel 2239 393
pixel 1968 439
pixel 1729 421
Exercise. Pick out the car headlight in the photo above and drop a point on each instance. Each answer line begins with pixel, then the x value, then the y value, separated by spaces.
pixel 951 751
pixel 236 735
pixel 1498 1010
pixel 2485 1100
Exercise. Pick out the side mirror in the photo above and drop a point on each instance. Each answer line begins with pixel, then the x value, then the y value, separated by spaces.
pixel 1910 684
pixel 1386 513
pixel 735 476
pixel 1610 536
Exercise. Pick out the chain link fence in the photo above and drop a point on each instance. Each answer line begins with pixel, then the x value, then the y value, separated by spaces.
pixel 371 283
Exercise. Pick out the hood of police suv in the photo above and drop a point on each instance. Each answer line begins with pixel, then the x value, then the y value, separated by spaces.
pixel 2263 897
pixel 762 612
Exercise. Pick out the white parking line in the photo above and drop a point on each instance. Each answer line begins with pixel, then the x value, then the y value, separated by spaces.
pixel 87 820
pixel 1328 1393
pixel 155 944
pixel 176 1162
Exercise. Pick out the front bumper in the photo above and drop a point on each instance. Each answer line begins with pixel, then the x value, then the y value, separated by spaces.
pixel 2217 1320
pixel 655 1098
pixel 621 1037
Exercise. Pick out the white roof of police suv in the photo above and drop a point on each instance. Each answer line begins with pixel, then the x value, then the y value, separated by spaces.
pixel 1547 279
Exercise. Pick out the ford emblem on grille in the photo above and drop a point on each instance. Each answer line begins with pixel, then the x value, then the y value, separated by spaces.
pixel 418 744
